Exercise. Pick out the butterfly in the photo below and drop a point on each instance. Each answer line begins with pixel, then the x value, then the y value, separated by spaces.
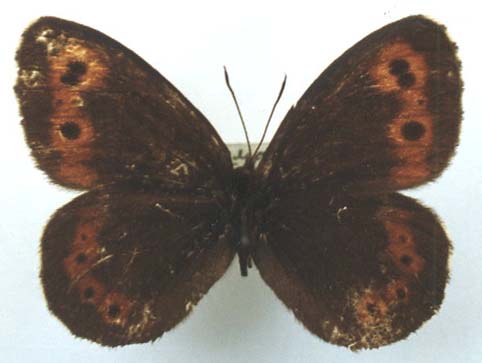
pixel 164 211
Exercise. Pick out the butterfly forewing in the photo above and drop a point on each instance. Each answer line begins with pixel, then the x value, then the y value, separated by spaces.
pixel 384 116
pixel 122 267
pixel 95 113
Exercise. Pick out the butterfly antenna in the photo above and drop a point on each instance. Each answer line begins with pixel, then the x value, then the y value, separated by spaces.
pixel 270 116
pixel 226 77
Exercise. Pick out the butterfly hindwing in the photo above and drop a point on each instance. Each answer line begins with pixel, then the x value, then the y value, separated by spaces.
pixel 95 113
pixel 121 267
pixel 382 117
pixel 361 272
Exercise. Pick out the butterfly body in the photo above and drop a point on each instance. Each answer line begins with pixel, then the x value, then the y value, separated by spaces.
pixel 164 212
pixel 247 198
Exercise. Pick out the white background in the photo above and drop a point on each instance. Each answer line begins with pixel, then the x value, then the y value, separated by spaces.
pixel 240 320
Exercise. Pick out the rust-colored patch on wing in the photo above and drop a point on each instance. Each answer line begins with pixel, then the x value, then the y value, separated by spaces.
pixel 398 67
pixel 397 291
pixel 116 308
pixel 84 256
pixel 370 308
pixel 401 70
pixel 77 67
pixel 91 290
pixel 401 248
pixel 85 249
pixel 74 67
pixel 401 242
pixel 374 306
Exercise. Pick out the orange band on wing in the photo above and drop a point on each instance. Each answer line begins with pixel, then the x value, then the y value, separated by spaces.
pixel 77 67
pixel 400 69
pixel 401 241
pixel 74 68
pixel 373 306
pixel 84 256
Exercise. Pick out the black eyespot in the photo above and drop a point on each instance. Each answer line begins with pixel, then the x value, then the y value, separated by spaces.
pixel 81 258
pixel 371 308
pixel 89 292
pixel 401 293
pixel 406 260
pixel 113 311
pixel 413 130
pixel 70 130
pixel 398 67
pixel 74 72
pixel 406 80
pixel 83 236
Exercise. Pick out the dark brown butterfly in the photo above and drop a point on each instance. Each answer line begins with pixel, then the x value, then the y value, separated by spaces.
pixel 165 211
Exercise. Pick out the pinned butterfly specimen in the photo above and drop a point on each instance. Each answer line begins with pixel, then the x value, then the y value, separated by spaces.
pixel 164 212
